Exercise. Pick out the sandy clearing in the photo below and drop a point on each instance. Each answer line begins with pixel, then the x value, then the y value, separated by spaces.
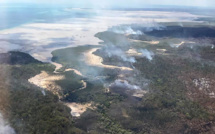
pixel 47 81
pixel 133 52
pixel 149 42
pixel 181 43
pixel 84 85
pixel 57 66
pixel 161 50
pixel 95 60
pixel 139 93
pixel 75 71
pixel 78 109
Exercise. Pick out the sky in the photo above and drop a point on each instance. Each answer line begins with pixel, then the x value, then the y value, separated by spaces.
pixel 117 3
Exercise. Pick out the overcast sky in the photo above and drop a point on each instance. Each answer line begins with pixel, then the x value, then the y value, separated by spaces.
pixel 118 3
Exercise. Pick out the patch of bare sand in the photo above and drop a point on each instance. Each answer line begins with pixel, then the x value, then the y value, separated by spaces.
pixel 78 109
pixel 95 60
pixel 47 81
pixel 162 51
pixel 139 93
pixel 149 42
pixel 75 71
pixel 57 66
pixel 133 52
pixel 181 43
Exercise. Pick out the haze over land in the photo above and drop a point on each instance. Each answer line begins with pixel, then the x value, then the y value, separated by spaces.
pixel 89 66
pixel 40 38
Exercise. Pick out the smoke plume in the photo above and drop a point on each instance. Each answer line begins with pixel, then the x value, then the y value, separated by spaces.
pixel 5 128
pixel 124 84
pixel 116 51
pixel 125 30
pixel 148 54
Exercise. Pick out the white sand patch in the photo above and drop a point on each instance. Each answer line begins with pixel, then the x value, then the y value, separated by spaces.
pixel 75 71
pixel 95 60
pixel 161 50
pixel 46 81
pixel 84 85
pixel 139 93
pixel 57 66
pixel 148 42
pixel 133 52
pixel 177 45
pixel 181 43
pixel 152 42
pixel 78 109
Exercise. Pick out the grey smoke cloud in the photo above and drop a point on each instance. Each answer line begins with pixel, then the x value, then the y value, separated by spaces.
pixel 125 84
pixel 133 28
pixel 148 54
pixel 125 30
pixel 5 128
pixel 112 50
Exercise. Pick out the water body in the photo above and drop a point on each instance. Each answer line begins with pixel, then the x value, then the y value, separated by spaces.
pixel 16 15
pixel 38 30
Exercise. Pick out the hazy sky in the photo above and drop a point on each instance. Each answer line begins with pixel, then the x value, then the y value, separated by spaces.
pixel 118 3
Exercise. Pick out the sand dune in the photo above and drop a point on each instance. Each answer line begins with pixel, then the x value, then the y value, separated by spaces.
pixel 95 60
pixel 47 81
pixel 78 109
pixel 133 52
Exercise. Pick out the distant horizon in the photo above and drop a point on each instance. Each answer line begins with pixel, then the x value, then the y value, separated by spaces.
pixel 72 6
pixel 112 4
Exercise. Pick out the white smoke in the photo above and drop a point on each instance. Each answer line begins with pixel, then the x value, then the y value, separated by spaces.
pixel 137 29
pixel 115 51
pixel 43 92
pixel 125 30
pixel 150 26
pixel 125 84
pixel 5 128
pixel 148 54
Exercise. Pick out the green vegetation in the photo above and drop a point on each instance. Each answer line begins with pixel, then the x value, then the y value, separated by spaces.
pixel 30 111
pixel 173 103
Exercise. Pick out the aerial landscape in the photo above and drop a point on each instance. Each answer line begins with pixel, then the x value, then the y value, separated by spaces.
pixel 107 68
